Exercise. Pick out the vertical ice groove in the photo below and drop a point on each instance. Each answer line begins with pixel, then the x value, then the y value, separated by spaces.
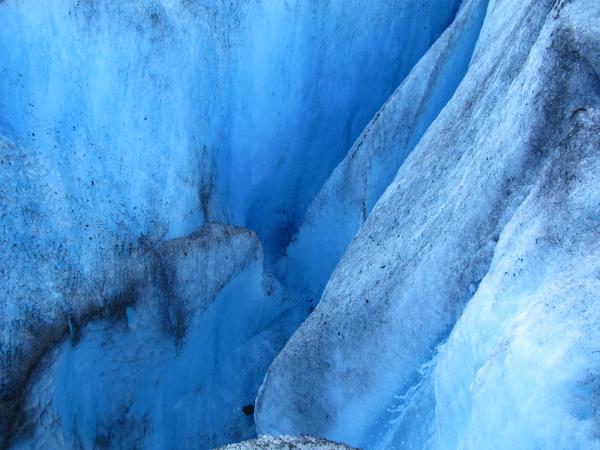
pixel 343 204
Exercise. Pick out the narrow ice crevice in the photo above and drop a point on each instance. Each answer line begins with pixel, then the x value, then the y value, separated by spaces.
pixel 348 196
pixel 335 64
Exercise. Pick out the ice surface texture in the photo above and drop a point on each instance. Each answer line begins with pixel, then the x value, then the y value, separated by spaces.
pixel 205 109
pixel 503 187
pixel 343 204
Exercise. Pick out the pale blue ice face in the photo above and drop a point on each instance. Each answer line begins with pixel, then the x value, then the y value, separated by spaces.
pixel 356 184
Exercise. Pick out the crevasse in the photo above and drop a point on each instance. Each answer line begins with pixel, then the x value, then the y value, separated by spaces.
pixel 368 222
pixel 127 126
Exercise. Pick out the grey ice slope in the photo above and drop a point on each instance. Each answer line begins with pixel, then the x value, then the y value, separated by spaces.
pixel 509 167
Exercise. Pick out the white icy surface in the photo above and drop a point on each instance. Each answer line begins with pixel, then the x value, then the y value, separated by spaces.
pixel 520 369
pixel 503 187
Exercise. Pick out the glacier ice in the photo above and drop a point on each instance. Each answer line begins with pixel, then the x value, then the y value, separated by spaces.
pixel 524 353
pixel 523 123
pixel 244 103
pixel 181 182
pixel 124 124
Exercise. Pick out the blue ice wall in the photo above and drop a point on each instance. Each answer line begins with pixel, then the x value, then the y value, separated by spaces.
pixel 130 122
pixel 204 110
pixel 485 235
pixel 309 76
